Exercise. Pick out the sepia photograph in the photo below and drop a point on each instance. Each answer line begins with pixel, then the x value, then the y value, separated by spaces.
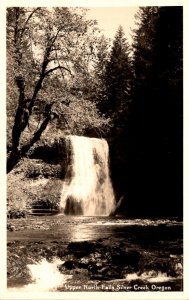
pixel 94 150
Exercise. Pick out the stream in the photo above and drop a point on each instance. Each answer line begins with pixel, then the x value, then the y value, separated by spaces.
pixel 94 254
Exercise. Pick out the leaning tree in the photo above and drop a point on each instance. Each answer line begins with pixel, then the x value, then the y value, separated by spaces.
pixel 49 54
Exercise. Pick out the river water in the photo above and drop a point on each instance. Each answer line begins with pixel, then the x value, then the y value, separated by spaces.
pixel 82 228
pixel 158 241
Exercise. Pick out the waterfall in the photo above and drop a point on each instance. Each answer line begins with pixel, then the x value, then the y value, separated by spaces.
pixel 87 188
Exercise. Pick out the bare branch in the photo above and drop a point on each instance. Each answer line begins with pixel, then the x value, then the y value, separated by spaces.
pixel 29 17
pixel 53 39
pixel 55 49
pixel 56 35
pixel 56 68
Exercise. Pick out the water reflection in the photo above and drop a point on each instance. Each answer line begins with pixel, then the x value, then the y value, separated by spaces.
pixel 93 228
pixel 80 228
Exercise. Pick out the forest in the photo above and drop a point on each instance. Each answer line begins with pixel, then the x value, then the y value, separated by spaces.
pixel 65 77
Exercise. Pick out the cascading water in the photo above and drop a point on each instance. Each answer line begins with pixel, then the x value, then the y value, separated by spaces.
pixel 87 188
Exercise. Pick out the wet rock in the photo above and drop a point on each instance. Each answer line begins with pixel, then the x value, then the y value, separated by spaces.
pixel 113 273
pixel 85 260
pixel 10 227
pixel 61 268
pixel 92 263
pixel 107 273
pixel 100 241
pixel 99 265
pixel 83 265
pixel 103 270
pixel 87 263
pixel 49 253
pixel 16 214
pixel 60 252
pixel 128 257
pixel 80 274
pixel 93 268
pixel 178 269
pixel 81 249
pixel 70 264
pixel 96 257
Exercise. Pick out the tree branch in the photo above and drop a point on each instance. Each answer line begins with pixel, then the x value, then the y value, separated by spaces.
pixel 36 136
pixel 29 17
pixel 55 37
pixel 15 156
pixel 56 68
pixel 45 63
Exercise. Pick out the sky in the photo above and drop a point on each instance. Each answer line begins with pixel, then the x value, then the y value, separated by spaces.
pixel 109 19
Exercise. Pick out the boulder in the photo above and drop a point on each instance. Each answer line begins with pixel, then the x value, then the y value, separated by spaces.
pixel 107 273
pixel 128 257
pixel 81 249
pixel 70 264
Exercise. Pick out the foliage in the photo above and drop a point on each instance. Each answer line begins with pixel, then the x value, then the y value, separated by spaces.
pixel 84 114
pixel 157 88
pixel 143 45
pixel 155 124
pixel 46 40
pixel 15 214
pixel 49 73
pixel 118 77
pixel 100 64
pixel 143 94
pixel 33 181
pixel 43 170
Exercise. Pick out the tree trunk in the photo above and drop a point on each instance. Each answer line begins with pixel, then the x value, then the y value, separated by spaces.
pixel 15 156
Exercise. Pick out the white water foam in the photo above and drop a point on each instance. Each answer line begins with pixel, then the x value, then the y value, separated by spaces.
pixel 151 276
pixel 135 222
pixel 45 276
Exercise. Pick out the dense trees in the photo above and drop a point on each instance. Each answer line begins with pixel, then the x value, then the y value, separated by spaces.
pixel 59 68
pixel 100 72
pixel 118 76
pixel 155 136
pixel 146 154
